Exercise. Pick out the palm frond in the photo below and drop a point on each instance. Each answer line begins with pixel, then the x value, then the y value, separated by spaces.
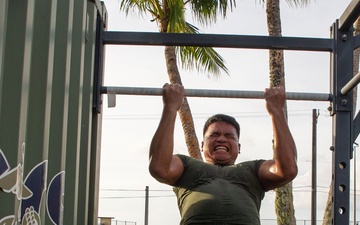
pixel 190 29
pixel 141 7
pixel 207 11
pixel 177 21
pixel 133 6
pixel 292 3
pixel 203 59
pixel 298 3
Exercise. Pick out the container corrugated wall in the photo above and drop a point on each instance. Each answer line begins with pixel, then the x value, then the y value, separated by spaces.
pixel 49 132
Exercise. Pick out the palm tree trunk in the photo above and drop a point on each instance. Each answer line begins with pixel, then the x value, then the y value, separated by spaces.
pixel 327 218
pixel 184 112
pixel 327 213
pixel 276 57
pixel 284 198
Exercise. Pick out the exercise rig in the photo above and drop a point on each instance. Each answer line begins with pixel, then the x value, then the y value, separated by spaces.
pixel 340 45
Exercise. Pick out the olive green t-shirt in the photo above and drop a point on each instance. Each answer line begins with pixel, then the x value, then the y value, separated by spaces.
pixel 211 194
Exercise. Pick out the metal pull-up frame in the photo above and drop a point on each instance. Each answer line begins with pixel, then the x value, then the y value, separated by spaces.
pixel 113 91
pixel 340 45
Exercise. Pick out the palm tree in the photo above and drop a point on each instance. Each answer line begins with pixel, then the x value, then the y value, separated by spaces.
pixel 284 198
pixel 170 17
pixel 327 213
pixel 284 207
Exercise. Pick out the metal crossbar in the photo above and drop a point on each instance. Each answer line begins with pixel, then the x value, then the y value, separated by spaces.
pixel 351 84
pixel 218 40
pixel 215 93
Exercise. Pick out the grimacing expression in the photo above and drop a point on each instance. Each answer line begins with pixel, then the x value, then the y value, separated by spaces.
pixel 221 144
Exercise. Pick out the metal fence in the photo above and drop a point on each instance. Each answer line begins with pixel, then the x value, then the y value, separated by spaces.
pixel 118 222
pixel 298 222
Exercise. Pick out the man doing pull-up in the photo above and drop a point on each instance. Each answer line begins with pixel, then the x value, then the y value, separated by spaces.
pixel 218 191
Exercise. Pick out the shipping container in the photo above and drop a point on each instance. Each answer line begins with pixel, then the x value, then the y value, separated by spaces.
pixel 49 129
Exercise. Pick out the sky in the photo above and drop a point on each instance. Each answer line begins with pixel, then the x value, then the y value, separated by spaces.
pixel 128 128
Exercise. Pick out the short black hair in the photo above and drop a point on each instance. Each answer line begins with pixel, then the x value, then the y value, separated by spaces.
pixel 222 118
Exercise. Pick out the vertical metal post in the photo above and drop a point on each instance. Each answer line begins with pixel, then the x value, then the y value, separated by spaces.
pixel 355 146
pixel 99 63
pixel 146 205
pixel 342 63
pixel 314 165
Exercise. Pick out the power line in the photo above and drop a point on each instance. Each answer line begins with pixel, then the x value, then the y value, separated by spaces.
pixel 255 114
pixel 120 189
pixel 296 189
pixel 166 190
pixel 172 196
pixel 124 197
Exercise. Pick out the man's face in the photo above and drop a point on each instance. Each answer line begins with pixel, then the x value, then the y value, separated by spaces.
pixel 221 144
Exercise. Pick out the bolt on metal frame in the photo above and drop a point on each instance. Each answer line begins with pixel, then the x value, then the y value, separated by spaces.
pixel 340 45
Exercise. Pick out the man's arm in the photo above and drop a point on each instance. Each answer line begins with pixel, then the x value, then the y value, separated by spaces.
pixel 164 166
pixel 283 168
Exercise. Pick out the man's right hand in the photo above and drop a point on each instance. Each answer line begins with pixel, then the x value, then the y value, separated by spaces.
pixel 164 166
pixel 173 95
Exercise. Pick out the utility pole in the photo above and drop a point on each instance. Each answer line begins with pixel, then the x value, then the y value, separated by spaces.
pixel 315 115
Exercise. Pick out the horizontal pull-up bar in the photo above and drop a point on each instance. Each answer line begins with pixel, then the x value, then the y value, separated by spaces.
pixel 351 84
pixel 350 15
pixel 215 93
pixel 218 40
